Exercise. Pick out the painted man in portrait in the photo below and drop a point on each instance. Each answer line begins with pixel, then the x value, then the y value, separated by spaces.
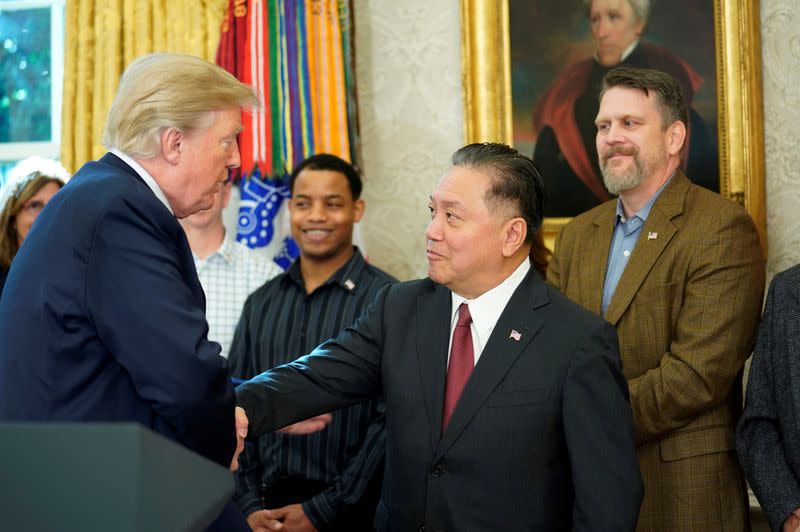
pixel 563 118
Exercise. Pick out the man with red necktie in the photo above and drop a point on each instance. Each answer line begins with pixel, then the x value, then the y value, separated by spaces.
pixel 506 407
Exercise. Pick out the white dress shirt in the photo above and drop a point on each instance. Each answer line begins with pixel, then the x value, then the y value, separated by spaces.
pixel 486 309
pixel 228 276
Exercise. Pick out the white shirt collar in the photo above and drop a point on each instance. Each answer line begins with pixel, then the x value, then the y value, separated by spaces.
pixel 487 308
pixel 148 179
pixel 629 50
pixel 225 251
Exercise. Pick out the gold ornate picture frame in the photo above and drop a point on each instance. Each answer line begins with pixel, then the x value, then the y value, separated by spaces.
pixel 486 67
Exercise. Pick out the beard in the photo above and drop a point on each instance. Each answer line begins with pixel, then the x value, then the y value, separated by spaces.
pixel 619 180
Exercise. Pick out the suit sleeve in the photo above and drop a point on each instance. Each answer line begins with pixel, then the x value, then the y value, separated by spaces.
pixel 338 373
pixel 761 440
pixel 713 333
pixel 599 433
pixel 155 328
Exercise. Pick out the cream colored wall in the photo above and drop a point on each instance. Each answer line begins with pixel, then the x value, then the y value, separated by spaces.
pixel 408 71
pixel 780 41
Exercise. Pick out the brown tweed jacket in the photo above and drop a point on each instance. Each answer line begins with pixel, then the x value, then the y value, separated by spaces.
pixel 686 310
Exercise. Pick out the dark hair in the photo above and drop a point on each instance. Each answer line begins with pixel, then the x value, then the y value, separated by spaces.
pixel 515 179
pixel 670 99
pixel 326 161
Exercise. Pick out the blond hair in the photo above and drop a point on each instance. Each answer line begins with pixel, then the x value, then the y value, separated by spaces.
pixel 169 90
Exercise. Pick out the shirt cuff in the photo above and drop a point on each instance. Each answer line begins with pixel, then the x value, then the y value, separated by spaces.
pixel 248 503
pixel 319 511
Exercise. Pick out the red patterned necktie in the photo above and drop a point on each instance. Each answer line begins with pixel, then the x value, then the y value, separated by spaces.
pixel 462 362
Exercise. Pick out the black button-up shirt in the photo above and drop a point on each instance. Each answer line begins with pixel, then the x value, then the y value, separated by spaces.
pixel 279 324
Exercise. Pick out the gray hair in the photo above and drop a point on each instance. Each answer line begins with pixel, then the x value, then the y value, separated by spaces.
pixel 641 8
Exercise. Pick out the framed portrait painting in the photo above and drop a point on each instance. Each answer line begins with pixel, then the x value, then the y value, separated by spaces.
pixel 532 70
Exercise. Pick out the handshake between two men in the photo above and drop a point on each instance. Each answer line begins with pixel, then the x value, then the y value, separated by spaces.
pixel 307 426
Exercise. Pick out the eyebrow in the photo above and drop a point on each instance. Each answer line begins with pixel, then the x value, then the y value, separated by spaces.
pixel 328 197
pixel 448 203
pixel 628 116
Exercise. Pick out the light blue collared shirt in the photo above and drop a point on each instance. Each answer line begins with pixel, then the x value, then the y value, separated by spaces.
pixel 626 233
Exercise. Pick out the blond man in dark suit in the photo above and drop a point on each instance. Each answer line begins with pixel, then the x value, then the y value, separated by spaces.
pixel 679 272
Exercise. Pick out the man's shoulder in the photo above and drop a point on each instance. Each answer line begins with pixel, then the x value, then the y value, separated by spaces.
pixel 568 312
pixel 260 266
pixel 379 276
pixel 606 210
pixel 104 197
pixel 707 209
pixel 399 293
pixel 100 185
pixel 264 293
pixel 786 284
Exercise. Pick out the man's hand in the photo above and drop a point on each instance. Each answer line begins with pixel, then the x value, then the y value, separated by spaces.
pixel 241 434
pixel 792 523
pixel 259 521
pixel 307 426
pixel 290 518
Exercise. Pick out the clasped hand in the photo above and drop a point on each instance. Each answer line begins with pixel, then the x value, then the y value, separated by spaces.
pixel 290 518
pixel 307 426
pixel 241 434
pixel 792 523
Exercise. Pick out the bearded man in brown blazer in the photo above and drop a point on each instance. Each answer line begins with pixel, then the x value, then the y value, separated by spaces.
pixel 679 272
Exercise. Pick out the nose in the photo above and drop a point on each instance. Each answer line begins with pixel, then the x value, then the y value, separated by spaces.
pixel 434 230
pixel 601 28
pixel 317 213
pixel 235 160
pixel 614 134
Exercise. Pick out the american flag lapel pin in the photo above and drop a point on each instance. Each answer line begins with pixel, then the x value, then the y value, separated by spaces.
pixel 652 236
pixel 515 335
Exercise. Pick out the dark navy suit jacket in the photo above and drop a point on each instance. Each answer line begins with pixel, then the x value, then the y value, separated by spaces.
pixel 102 318
pixel 541 439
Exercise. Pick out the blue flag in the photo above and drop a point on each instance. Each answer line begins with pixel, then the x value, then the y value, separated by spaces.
pixel 261 201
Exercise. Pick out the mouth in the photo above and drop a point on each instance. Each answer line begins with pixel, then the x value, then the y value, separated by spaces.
pixel 316 234
pixel 432 255
pixel 618 154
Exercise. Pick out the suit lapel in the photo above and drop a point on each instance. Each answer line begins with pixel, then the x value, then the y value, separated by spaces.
pixel 648 248
pixel 433 339
pixel 499 354
pixel 597 263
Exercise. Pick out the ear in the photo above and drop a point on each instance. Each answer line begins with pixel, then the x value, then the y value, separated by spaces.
pixel 639 28
pixel 171 143
pixel 514 233
pixel 358 210
pixel 676 136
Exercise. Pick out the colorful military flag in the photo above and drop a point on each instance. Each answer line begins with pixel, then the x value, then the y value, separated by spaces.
pixel 297 54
